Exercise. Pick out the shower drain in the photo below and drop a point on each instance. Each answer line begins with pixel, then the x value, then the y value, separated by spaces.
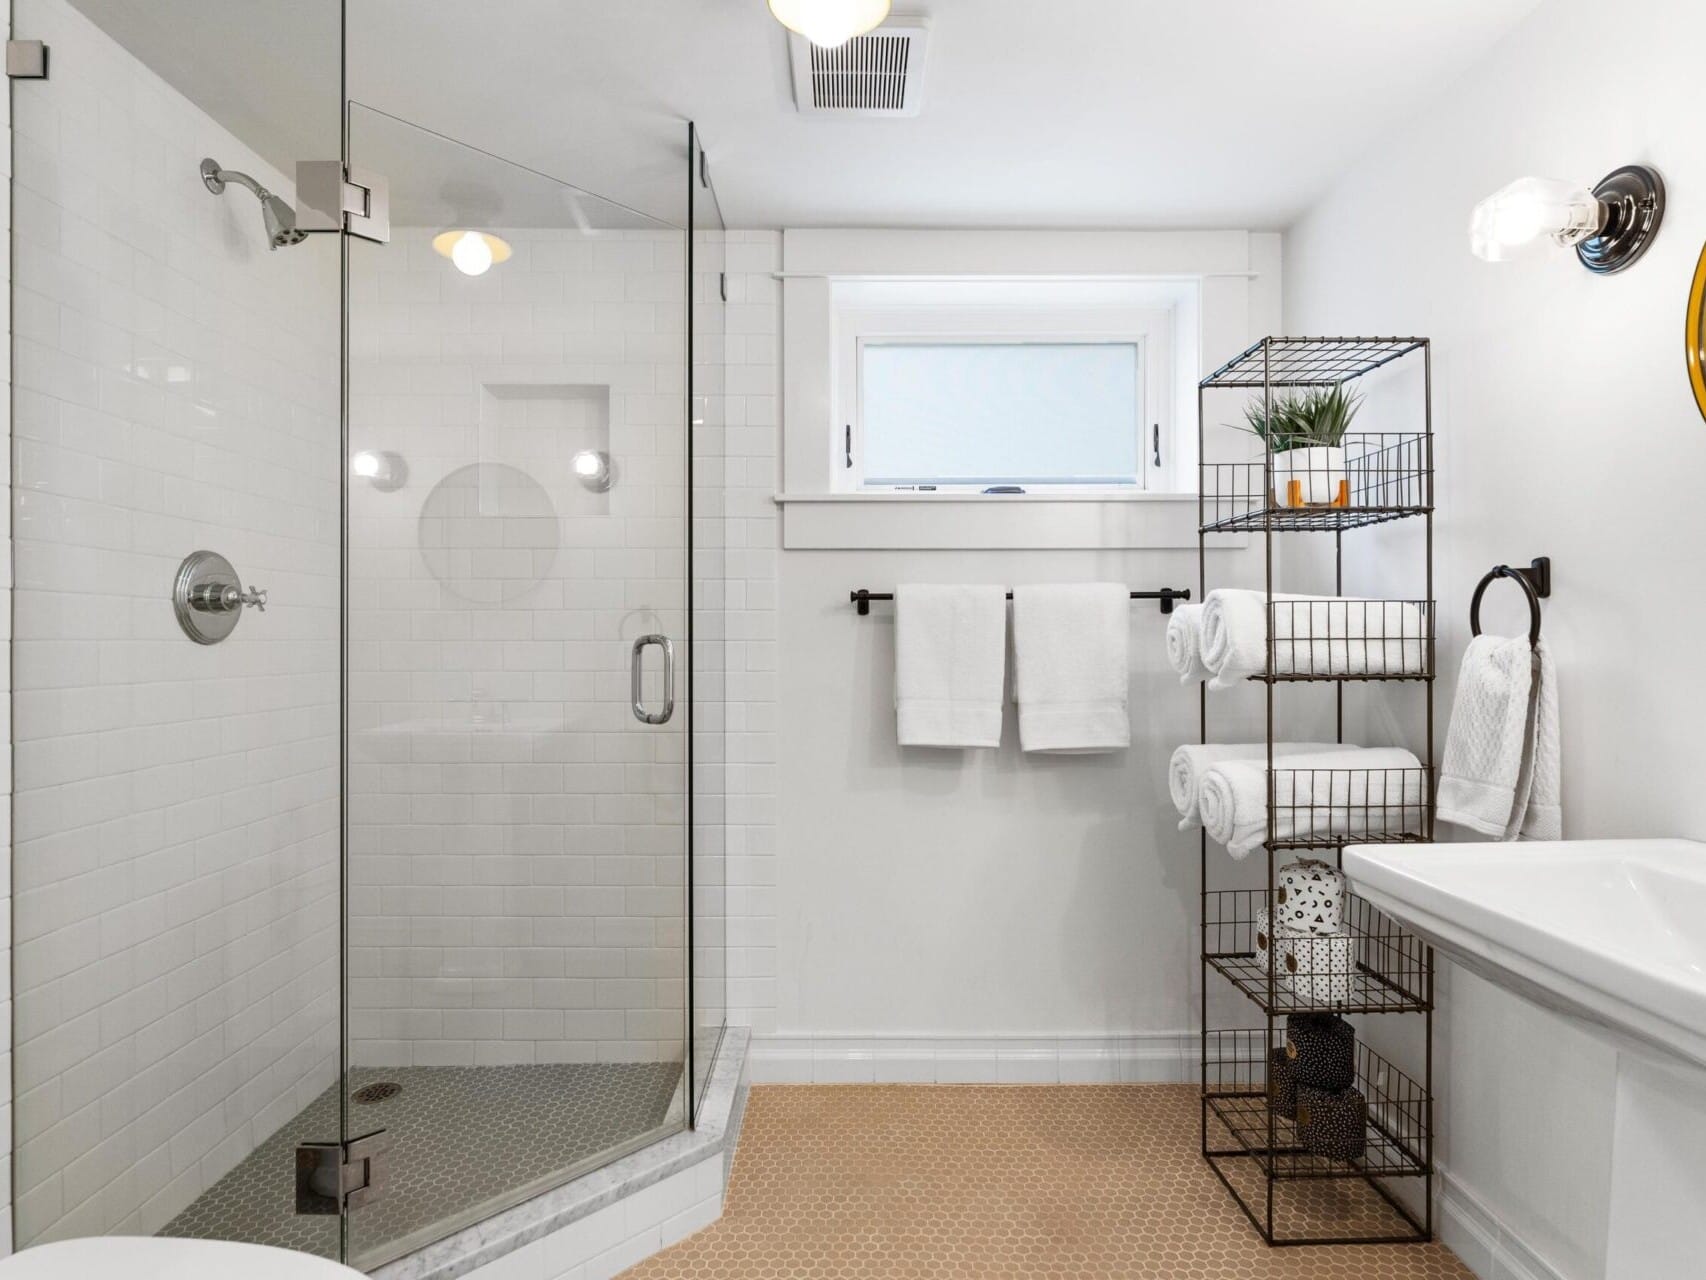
pixel 379 1091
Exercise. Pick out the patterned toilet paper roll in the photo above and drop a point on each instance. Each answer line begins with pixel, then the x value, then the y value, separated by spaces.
pixel 1318 969
pixel 1332 1123
pixel 1310 897
pixel 1265 940
pixel 1282 1084
pixel 1322 1050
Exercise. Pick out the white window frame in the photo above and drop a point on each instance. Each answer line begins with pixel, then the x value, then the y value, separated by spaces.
pixel 1061 314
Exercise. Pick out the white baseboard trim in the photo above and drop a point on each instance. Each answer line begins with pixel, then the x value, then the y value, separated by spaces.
pixel 1478 1236
pixel 1153 1057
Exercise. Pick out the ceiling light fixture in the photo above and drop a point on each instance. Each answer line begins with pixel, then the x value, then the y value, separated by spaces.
pixel 1609 227
pixel 473 252
pixel 828 23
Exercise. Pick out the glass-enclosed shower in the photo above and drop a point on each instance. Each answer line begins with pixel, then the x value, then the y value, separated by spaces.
pixel 367 553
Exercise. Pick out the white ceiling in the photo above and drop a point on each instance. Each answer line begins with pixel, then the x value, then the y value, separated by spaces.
pixel 1092 113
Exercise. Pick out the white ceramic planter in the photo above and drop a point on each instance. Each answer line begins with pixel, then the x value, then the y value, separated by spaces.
pixel 1311 477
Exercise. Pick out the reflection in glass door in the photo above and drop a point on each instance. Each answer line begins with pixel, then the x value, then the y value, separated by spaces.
pixel 516 682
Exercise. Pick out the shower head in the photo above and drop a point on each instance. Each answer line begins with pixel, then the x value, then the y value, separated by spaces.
pixel 280 218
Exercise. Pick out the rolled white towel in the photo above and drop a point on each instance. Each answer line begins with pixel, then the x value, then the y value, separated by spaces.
pixel 1359 791
pixel 1184 643
pixel 1185 769
pixel 1313 635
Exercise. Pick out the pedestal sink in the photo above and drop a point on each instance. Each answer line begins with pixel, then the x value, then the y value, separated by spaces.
pixel 1611 933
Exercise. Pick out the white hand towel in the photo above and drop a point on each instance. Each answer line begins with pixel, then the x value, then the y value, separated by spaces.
pixel 1313 635
pixel 1482 782
pixel 1544 819
pixel 950 663
pixel 1350 792
pixel 1184 643
pixel 1189 762
pixel 1070 667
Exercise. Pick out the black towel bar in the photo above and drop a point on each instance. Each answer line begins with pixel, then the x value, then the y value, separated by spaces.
pixel 1166 595
pixel 1536 584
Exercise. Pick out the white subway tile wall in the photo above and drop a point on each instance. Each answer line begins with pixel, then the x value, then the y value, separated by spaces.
pixel 6 679
pixel 176 867
pixel 752 371
pixel 517 835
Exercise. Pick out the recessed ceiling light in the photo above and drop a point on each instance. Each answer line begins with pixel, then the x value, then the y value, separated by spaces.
pixel 827 23
pixel 472 251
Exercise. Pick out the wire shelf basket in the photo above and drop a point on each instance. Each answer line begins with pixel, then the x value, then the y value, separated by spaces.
pixel 1375 968
pixel 1399 1141
pixel 1330 808
pixel 1349 640
pixel 1382 476
pixel 1309 362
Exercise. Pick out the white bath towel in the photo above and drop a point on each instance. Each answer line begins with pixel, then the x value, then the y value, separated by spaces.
pixel 1544 819
pixel 1313 635
pixel 1499 776
pixel 1189 762
pixel 1351 792
pixel 1070 667
pixel 1184 643
pixel 950 664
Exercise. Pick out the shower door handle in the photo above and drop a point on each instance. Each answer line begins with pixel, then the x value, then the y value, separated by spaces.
pixel 635 666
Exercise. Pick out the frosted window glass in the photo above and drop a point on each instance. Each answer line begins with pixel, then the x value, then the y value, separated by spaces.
pixel 1001 413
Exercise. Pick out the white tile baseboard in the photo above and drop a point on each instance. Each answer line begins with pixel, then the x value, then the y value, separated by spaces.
pixel 1156 1057
pixel 1478 1236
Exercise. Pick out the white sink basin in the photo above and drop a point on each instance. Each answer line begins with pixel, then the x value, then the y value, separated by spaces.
pixel 1610 931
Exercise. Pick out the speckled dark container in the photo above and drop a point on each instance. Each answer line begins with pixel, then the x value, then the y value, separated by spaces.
pixel 1322 1048
pixel 1332 1123
pixel 1282 1084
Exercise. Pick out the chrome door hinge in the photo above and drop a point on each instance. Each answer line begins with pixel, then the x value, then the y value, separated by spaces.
pixel 331 1176
pixel 329 198
pixel 26 60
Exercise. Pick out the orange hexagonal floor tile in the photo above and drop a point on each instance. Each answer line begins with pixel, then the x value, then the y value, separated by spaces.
pixel 877 1181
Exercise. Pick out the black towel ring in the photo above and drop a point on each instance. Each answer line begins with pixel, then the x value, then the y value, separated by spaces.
pixel 1536 584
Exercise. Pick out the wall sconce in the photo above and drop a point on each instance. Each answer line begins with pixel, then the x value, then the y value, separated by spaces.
pixel 1610 226
pixel 594 469
pixel 385 471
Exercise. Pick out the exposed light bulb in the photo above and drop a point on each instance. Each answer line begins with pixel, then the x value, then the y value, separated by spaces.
pixel 471 254
pixel 1531 211
pixel 384 470
pixel 828 23
pixel 365 464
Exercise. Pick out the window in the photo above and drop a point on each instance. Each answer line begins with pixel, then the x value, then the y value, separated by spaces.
pixel 1058 387
pixel 979 414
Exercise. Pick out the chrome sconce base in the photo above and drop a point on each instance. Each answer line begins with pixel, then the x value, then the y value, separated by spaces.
pixel 1634 201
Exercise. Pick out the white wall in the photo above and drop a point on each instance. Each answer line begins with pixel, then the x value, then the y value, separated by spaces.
pixel 1565 428
pixel 177 851
pixel 966 915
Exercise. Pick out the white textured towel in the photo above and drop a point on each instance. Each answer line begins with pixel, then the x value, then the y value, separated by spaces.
pixel 1313 635
pixel 1354 791
pixel 950 663
pixel 1070 666
pixel 1184 643
pixel 1499 777
pixel 1189 762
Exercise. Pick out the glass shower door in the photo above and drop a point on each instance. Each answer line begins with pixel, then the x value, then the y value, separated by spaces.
pixel 516 684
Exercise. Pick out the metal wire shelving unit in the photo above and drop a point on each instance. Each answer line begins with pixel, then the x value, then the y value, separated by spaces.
pixel 1253 1148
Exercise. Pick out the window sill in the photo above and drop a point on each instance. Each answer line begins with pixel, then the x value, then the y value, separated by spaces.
pixel 979 521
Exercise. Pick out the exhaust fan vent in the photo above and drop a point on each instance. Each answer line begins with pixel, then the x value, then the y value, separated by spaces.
pixel 880 73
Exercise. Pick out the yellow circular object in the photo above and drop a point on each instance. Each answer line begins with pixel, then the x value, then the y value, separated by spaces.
pixel 1694 336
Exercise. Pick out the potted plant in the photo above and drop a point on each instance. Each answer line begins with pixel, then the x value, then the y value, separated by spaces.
pixel 1304 433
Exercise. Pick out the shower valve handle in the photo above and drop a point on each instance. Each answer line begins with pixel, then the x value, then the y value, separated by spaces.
pixel 225 598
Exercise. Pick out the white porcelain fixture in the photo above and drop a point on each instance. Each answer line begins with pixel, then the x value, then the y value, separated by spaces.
pixel 166 1258
pixel 1611 933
